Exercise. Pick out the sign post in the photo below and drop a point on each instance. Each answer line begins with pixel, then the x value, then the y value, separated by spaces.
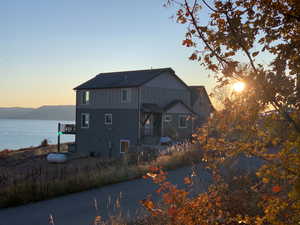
pixel 58 138
pixel 64 129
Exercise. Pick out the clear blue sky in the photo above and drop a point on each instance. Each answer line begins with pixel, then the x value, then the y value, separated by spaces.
pixel 49 47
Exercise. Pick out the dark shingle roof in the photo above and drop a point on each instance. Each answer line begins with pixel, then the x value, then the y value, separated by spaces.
pixel 149 107
pixel 122 79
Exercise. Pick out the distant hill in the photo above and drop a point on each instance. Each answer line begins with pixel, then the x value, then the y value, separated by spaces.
pixel 61 112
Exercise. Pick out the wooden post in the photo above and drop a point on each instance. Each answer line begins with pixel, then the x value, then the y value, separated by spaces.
pixel 58 138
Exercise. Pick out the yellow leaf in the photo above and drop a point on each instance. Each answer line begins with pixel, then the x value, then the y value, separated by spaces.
pixel 266 180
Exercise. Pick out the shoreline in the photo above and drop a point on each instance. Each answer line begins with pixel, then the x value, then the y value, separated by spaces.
pixel 38 119
pixel 31 148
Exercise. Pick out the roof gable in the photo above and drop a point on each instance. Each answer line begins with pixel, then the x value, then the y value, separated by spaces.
pixel 122 79
pixel 166 80
pixel 177 106
pixel 199 91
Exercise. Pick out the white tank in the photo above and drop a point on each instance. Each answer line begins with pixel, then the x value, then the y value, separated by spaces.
pixel 57 158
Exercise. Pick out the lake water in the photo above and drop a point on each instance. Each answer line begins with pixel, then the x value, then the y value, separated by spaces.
pixel 15 134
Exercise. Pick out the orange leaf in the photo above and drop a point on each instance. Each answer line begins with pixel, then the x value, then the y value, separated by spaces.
pixel 148 204
pixel 187 180
pixel 97 220
pixel 187 42
pixel 193 57
pixel 276 188
pixel 167 198
pixel 172 211
pixel 153 168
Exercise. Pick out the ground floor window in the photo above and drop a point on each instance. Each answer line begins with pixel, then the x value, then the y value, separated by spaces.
pixel 85 120
pixel 168 118
pixel 124 146
pixel 108 119
pixel 182 123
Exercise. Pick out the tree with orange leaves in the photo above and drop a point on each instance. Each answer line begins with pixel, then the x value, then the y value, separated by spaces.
pixel 256 42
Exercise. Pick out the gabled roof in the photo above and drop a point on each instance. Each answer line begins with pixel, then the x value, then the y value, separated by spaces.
pixel 175 102
pixel 150 107
pixel 123 79
pixel 197 91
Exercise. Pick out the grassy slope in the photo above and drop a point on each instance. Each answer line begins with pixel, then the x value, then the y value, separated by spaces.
pixel 33 179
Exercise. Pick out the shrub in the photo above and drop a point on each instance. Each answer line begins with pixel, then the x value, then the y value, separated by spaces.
pixel 44 143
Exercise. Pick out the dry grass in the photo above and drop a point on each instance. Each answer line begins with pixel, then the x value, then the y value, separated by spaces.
pixel 40 180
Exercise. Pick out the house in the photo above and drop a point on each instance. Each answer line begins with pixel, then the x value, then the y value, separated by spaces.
pixel 120 111
pixel 201 105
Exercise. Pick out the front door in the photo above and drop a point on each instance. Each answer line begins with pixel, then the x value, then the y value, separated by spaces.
pixel 157 118
pixel 148 128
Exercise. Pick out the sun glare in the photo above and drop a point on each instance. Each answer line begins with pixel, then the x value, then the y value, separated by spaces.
pixel 238 86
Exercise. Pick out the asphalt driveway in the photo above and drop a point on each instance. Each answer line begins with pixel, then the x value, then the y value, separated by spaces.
pixel 80 208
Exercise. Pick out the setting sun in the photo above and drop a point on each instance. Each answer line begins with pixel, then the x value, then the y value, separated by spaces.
pixel 238 86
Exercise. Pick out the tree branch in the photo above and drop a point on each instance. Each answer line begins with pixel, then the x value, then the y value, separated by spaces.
pixel 201 35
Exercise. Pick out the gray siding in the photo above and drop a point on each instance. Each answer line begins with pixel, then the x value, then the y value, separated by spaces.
pixel 96 138
pixel 164 89
pixel 202 107
pixel 163 96
pixel 172 129
pixel 166 80
pixel 108 99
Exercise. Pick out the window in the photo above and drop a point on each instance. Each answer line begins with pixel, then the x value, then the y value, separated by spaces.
pixel 124 146
pixel 125 95
pixel 182 122
pixel 168 118
pixel 86 97
pixel 108 119
pixel 85 120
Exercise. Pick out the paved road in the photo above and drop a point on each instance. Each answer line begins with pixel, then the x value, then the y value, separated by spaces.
pixel 79 208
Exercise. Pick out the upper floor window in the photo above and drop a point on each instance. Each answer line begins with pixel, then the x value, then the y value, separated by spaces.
pixel 85 120
pixel 168 118
pixel 125 95
pixel 108 119
pixel 86 97
pixel 182 123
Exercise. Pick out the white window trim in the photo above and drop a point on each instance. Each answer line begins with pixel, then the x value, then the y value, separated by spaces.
pixel 108 114
pixel 83 100
pixel 124 140
pixel 88 126
pixel 169 118
pixel 182 116
pixel 128 95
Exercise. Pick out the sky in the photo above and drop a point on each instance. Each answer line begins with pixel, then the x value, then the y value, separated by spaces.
pixel 49 47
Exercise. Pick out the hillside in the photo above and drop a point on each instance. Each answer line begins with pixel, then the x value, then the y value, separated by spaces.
pixel 63 112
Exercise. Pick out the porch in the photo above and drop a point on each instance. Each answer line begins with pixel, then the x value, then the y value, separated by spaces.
pixel 151 128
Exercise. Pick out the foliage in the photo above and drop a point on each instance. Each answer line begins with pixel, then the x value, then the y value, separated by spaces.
pixel 256 42
pixel 222 203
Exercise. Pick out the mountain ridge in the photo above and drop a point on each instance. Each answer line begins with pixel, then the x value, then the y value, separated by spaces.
pixel 45 112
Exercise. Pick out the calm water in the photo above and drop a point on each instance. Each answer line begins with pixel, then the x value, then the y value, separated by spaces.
pixel 15 134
